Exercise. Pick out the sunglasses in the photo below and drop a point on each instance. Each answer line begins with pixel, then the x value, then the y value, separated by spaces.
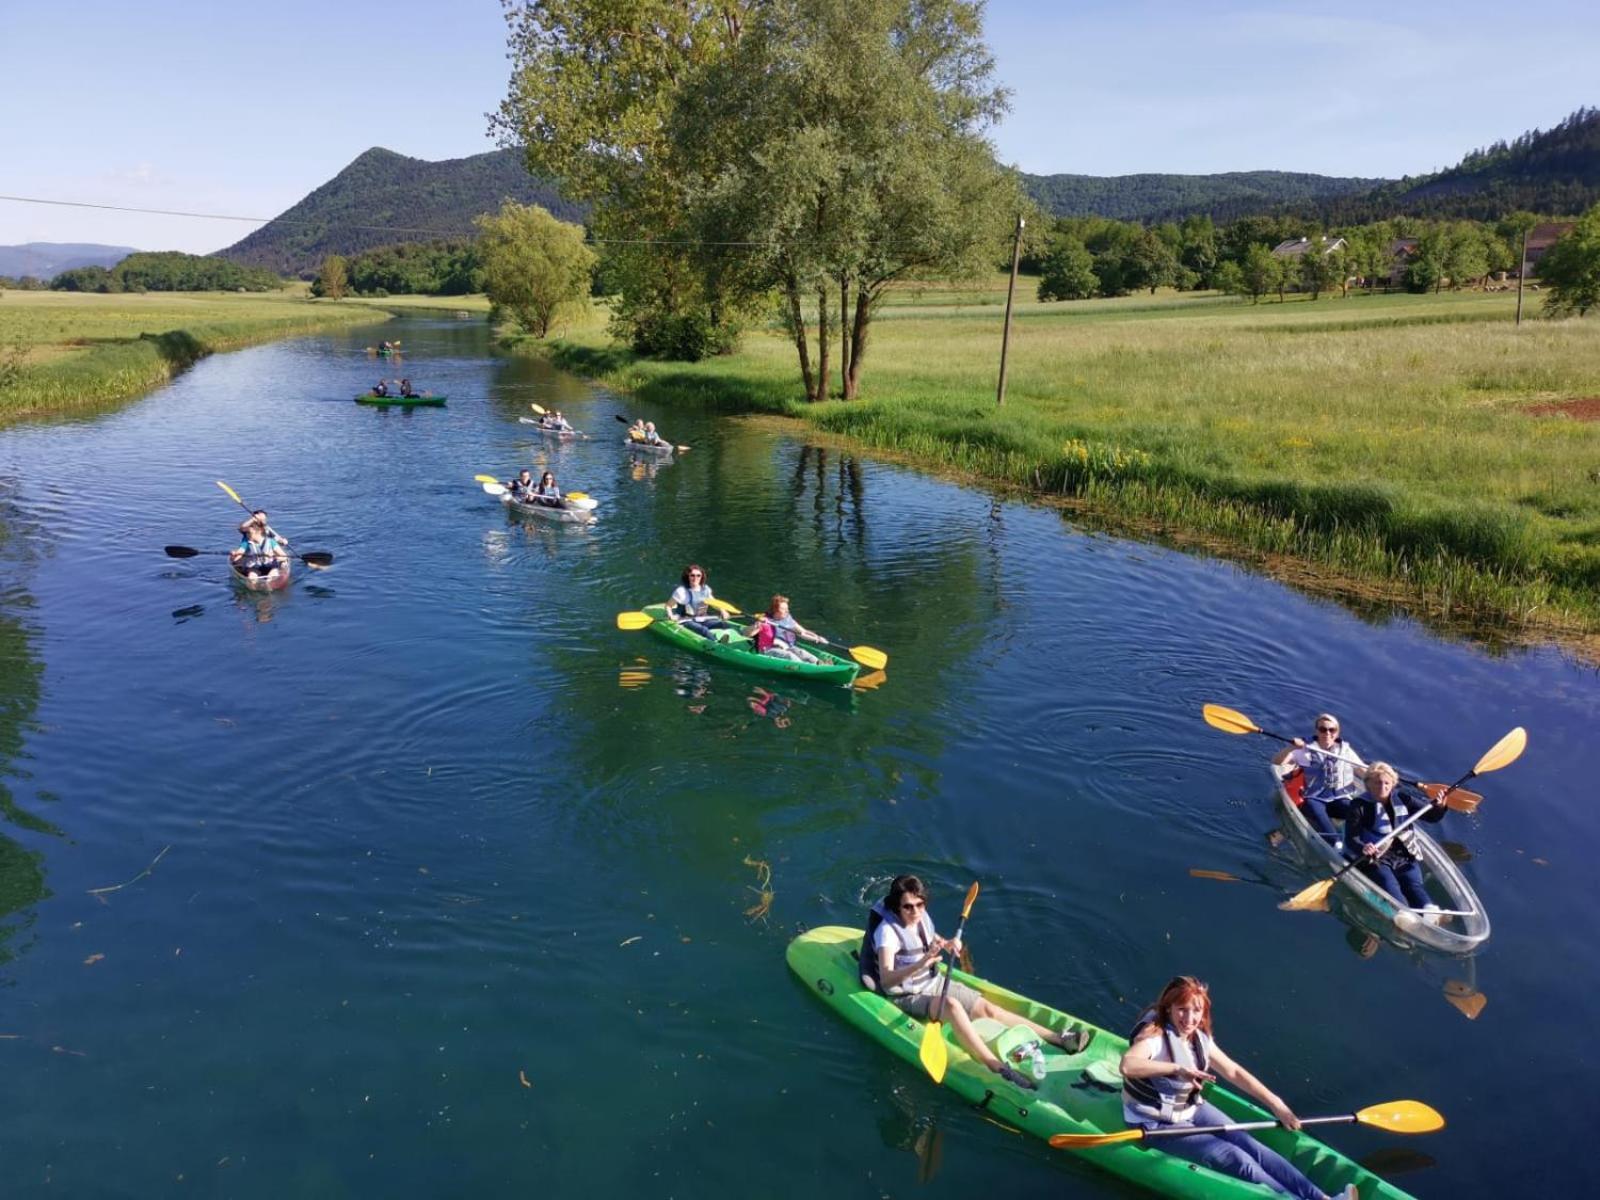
pixel 911 905
pixel 1327 729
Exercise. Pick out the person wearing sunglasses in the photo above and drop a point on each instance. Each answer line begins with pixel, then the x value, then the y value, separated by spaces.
pixel 1170 1058
pixel 1330 767
pixel 899 957
pixel 690 604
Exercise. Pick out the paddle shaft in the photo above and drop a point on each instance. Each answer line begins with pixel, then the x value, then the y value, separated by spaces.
pixel 234 496
pixel 948 954
pixel 1242 1126
pixel 1388 841
pixel 1316 749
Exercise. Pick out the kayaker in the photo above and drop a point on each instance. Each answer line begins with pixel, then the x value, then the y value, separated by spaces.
pixel 562 423
pixel 380 388
pixel 547 492
pixel 1374 815
pixel 776 633
pixel 650 434
pixel 1170 1057
pixel 259 552
pixel 259 517
pixel 636 430
pixel 1330 768
pixel 522 487
pixel 690 603
pixel 405 388
pixel 898 957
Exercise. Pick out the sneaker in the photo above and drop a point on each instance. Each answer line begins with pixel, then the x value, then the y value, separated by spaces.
pixel 1349 1193
pixel 1016 1077
pixel 1432 915
pixel 1074 1041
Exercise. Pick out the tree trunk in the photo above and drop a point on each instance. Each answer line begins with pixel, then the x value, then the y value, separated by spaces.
pixel 858 340
pixel 797 328
pixel 823 348
pixel 844 337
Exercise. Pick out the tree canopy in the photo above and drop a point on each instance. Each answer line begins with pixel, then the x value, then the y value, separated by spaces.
pixel 532 264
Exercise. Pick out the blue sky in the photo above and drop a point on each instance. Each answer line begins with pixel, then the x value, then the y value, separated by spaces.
pixel 234 108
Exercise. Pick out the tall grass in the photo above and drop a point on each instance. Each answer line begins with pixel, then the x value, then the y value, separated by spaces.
pixel 1384 438
pixel 64 352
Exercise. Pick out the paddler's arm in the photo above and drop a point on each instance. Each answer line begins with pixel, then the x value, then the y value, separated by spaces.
pixel 1233 1073
pixel 891 976
pixel 1139 1062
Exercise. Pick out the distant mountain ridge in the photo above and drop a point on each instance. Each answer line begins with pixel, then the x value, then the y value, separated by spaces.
pixel 383 198
pixel 1171 197
pixel 44 260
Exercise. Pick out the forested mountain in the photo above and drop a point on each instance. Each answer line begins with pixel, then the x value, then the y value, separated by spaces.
pixel 44 259
pixel 1172 197
pixel 1555 171
pixel 382 198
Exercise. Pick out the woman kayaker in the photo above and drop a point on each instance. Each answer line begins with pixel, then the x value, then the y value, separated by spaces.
pixel 898 958
pixel 547 492
pixel 1330 768
pixel 405 388
pixel 776 633
pixel 1170 1056
pixel 690 603
pixel 258 553
pixel 522 487
pixel 380 388
pixel 1374 815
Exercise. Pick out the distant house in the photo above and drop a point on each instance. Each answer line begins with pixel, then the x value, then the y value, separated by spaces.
pixel 1296 247
pixel 1401 252
pixel 1541 238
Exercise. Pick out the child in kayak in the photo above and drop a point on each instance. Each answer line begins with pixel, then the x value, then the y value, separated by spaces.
pixel 776 633
pixel 547 493
pixel 1374 815
pixel 259 552
pixel 898 957
pixel 1330 768
pixel 690 603
pixel 1170 1056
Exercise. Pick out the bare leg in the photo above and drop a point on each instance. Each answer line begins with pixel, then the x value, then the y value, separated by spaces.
pixel 962 1024
pixel 995 1013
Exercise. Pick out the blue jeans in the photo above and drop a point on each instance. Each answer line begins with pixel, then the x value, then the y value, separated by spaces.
pixel 1402 880
pixel 1236 1154
pixel 1321 815
pixel 704 625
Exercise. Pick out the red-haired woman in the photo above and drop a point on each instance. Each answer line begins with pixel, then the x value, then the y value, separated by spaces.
pixel 1170 1057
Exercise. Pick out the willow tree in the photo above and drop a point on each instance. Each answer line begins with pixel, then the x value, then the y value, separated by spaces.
pixel 593 85
pixel 837 147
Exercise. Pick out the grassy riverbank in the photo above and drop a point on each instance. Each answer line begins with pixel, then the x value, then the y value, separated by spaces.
pixel 64 352
pixel 1391 442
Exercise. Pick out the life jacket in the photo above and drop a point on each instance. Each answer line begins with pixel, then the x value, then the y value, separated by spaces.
pixel 1371 821
pixel 770 633
pixel 520 490
pixel 256 553
pixel 1328 778
pixel 550 493
pixel 697 601
pixel 1166 1098
pixel 913 943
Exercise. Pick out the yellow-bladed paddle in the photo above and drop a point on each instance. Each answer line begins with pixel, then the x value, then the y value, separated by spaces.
pixel 486 479
pixel 1397 1116
pixel 578 495
pixel 635 620
pixel 1502 754
pixel 538 410
pixel 1232 721
pixel 933 1053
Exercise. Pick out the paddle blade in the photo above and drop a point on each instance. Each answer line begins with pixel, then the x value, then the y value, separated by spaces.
pixel 181 551
pixel 1228 720
pixel 1219 876
pixel 586 504
pixel 873 660
pixel 1504 752
pixel 634 620
pixel 577 495
pixel 1402 1116
pixel 683 449
pixel 972 896
pixel 486 479
pixel 231 493
pixel 1464 998
pixel 1087 1141
pixel 933 1053
pixel 874 679
pixel 622 418
pixel 1311 899
pixel 1460 800
pixel 723 607
pixel 317 558
pixel 537 409
pixel 494 489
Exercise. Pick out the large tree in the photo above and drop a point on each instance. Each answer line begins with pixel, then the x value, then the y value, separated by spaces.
pixel 1571 269
pixel 837 148
pixel 532 264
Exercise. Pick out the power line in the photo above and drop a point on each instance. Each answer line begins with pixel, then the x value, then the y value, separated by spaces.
pixel 435 233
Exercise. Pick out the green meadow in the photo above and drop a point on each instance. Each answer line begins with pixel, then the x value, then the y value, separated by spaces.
pixel 64 352
pixel 1395 445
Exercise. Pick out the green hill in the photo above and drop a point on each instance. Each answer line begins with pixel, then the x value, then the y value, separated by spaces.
pixel 1170 197
pixel 382 198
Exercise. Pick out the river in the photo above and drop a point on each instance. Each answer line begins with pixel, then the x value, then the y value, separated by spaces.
pixel 434 882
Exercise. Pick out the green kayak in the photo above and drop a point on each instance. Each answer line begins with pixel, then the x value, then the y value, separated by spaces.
pixel 1081 1093
pixel 427 401
pixel 738 650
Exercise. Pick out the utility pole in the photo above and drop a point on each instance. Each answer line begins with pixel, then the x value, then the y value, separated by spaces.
pixel 1011 291
pixel 1522 270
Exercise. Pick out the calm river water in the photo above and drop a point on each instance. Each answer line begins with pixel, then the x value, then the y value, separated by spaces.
pixel 456 889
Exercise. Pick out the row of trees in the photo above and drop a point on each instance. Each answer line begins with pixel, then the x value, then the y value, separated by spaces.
pixel 438 268
pixel 1092 256
pixel 741 152
pixel 168 271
